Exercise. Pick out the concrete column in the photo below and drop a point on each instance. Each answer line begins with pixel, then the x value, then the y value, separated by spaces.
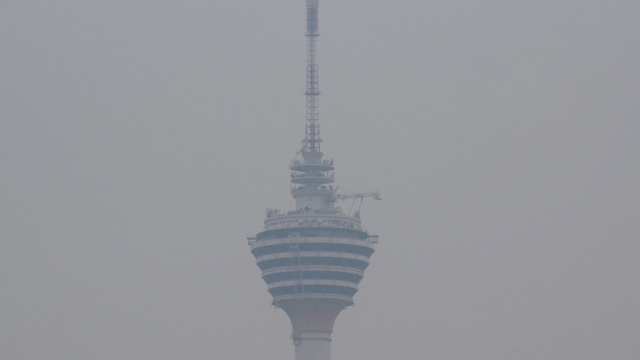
pixel 312 346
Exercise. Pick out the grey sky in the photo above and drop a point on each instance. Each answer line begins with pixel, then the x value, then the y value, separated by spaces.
pixel 141 142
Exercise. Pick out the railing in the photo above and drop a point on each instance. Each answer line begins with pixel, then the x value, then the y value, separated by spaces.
pixel 306 175
pixel 271 213
pixel 323 162
pixel 277 213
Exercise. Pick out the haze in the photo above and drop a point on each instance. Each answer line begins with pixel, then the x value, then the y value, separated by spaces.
pixel 142 141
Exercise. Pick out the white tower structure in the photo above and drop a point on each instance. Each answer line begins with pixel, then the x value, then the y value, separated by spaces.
pixel 313 257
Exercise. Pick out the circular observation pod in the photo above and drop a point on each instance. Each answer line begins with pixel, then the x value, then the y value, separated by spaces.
pixel 308 267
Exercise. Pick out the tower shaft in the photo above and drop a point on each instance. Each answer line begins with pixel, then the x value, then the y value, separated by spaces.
pixel 312 346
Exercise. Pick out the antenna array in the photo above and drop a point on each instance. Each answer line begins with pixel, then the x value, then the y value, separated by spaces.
pixel 312 140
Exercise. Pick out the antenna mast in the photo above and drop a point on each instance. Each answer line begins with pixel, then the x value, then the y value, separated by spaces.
pixel 311 143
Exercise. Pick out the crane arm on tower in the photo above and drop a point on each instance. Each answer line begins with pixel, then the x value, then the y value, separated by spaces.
pixel 356 197
pixel 375 195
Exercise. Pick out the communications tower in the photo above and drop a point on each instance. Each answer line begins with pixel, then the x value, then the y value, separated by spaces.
pixel 313 257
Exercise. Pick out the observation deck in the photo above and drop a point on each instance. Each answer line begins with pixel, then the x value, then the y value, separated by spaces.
pixel 304 166
pixel 312 254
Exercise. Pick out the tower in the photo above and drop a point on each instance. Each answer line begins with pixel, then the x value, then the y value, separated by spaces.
pixel 313 257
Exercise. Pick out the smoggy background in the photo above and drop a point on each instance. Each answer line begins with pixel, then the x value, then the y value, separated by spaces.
pixel 141 141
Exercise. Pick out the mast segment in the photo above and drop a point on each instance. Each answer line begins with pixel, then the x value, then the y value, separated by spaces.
pixel 311 175
pixel 311 143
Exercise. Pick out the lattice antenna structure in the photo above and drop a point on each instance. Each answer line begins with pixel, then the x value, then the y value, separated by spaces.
pixel 311 143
